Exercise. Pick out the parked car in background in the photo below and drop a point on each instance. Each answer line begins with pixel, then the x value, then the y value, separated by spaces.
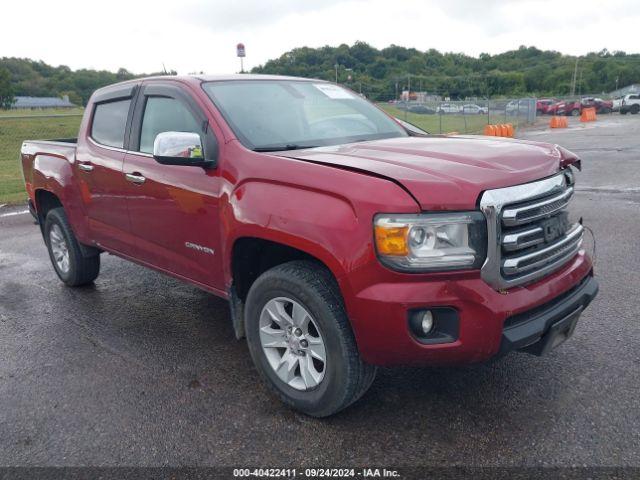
pixel 422 109
pixel 630 104
pixel 448 108
pixel 617 103
pixel 565 107
pixel 544 104
pixel 574 107
pixel 341 239
pixel 414 107
pixel 517 107
pixel 553 108
pixel 472 108
pixel 601 106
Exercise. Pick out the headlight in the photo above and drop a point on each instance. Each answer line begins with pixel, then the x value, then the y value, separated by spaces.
pixel 431 242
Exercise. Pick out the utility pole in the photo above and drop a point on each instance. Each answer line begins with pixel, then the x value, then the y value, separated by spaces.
pixel 575 77
pixel 336 66
pixel 580 83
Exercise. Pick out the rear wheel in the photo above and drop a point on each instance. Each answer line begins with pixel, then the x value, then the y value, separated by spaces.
pixel 70 263
pixel 575 112
pixel 301 341
pixel 635 109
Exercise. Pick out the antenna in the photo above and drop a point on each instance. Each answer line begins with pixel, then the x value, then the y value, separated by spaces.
pixel 164 68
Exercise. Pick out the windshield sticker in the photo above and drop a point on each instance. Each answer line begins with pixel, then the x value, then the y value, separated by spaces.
pixel 332 91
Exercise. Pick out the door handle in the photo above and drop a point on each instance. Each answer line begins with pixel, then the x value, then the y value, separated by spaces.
pixel 86 167
pixel 135 178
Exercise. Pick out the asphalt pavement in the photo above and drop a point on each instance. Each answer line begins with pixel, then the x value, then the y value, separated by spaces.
pixel 141 369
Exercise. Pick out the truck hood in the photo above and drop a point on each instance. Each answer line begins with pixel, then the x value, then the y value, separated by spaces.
pixel 445 172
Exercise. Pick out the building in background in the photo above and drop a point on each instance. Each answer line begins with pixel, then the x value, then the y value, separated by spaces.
pixel 22 103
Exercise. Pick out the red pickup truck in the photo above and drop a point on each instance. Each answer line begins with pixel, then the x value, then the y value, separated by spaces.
pixel 343 238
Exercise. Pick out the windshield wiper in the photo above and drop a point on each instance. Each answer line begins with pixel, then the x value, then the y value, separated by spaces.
pixel 280 148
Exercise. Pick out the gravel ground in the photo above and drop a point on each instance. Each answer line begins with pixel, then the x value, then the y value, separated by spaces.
pixel 143 370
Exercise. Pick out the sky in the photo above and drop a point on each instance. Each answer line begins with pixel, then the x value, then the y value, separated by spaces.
pixel 201 35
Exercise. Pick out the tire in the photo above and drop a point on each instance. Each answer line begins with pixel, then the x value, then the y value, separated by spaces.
pixel 78 269
pixel 634 109
pixel 345 377
pixel 575 112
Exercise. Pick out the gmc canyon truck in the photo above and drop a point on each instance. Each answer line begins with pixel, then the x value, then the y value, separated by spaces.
pixel 343 238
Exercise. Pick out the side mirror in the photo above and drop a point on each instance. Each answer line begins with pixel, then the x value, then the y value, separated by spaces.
pixel 180 148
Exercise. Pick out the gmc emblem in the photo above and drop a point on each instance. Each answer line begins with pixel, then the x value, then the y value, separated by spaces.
pixel 555 227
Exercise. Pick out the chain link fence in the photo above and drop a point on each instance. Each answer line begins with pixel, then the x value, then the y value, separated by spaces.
pixel 17 126
pixel 462 116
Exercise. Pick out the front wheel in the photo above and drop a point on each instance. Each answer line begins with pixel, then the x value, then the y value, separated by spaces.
pixel 70 263
pixel 575 112
pixel 301 341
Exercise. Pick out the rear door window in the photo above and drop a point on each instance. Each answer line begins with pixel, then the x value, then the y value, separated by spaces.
pixel 110 122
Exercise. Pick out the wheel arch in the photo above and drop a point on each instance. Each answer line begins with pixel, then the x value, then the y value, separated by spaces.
pixel 45 201
pixel 250 256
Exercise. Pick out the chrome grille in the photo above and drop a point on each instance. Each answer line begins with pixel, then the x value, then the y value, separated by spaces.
pixel 528 231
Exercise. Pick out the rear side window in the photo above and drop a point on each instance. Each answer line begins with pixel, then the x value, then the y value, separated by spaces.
pixel 164 114
pixel 109 123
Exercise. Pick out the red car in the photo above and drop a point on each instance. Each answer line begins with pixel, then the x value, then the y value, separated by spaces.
pixel 342 238
pixel 543 105
pixel 574 108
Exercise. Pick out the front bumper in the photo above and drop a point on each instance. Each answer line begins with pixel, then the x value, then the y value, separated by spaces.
pixel 531 331
pixel 490 322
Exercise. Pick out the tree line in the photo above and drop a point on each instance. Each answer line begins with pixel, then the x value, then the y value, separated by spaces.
pixel 379 74
pixel 25 77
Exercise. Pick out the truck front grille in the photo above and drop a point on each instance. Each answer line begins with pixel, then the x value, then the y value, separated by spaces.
pixel 528 231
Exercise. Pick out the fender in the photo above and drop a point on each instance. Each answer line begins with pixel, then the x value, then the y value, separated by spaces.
pixel 54 174
pixel 319 223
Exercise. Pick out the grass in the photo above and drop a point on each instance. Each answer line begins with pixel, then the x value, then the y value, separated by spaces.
pixel 444 123
pixel 40 112
pixel 30 126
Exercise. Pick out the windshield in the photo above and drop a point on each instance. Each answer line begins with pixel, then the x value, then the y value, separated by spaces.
pixel 288 114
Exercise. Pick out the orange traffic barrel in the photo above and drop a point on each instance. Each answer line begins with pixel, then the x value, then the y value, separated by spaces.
pixel 490 130
pixel 509 130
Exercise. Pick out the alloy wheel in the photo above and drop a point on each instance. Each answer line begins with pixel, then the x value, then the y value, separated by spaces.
pixel 292 343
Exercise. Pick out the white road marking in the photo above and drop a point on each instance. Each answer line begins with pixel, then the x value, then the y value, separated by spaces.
pixel 21 212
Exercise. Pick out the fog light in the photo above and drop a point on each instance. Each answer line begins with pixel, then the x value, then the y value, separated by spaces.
pixel 427 322
pixel 434 325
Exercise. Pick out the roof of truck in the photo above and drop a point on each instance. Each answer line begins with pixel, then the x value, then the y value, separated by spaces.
pixel 195 79
pixel 251 76
pixel 216 78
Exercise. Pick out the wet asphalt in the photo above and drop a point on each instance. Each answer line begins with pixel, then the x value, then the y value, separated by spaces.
pixel 140 369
